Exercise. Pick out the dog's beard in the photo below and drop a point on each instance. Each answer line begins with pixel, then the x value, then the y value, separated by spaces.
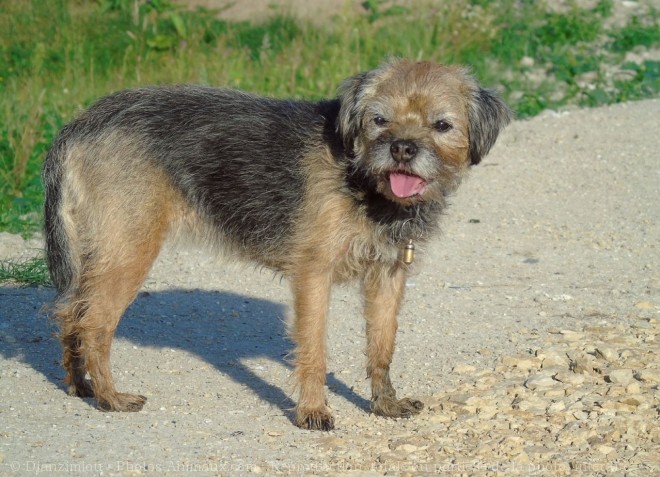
pixel 407 218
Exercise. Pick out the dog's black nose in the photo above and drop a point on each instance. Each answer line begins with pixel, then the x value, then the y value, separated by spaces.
pixel 403 151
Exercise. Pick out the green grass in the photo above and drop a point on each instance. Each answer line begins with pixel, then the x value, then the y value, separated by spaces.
pixel 58 56
pixel 30 272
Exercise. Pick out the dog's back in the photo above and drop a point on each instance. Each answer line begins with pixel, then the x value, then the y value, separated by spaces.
pixel 231 157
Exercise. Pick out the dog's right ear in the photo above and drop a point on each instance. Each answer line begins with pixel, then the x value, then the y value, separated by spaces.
pixel 351 100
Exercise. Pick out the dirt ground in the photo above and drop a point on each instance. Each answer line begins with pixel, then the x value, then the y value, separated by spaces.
pixel 529 329
pixel 259 9
pixel 318 10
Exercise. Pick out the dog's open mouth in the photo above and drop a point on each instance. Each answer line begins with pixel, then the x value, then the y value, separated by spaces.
pixel 404 184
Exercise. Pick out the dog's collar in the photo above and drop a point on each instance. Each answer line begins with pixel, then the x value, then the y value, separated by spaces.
pixel 408 253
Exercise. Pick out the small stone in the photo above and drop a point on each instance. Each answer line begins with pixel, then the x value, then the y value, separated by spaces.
pixel 608 354
pixel 533 405
pixel 622 377
pixel 562 297
pixel 648 375
pixel 520 363
pixel 620 406
pixel 551 358
pixel 616 391
pixel 633 388
pixel 539 452
pixel 487 412
pixel 568 377
pixel 604 449
pixel 409 448
pixel 459 398
pixel 633 401
pixel 556 407
pixel 581 415
pixel 463 369
pixel 538 381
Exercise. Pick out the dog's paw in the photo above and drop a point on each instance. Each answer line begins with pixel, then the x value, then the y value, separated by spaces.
pixel 392 407
pixel 315 419
pixel 122 402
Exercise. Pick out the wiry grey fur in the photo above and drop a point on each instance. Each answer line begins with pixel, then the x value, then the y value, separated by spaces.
pixel 234 156
pixel 320 191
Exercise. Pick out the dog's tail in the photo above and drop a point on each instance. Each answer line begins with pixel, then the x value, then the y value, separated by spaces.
pixel 59 232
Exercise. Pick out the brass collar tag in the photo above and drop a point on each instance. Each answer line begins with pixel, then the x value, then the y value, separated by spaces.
pixel 408 253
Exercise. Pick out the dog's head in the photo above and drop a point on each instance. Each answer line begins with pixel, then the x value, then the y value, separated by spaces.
pixel 416 127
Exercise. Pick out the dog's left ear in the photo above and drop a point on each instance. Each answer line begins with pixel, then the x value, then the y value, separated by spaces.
pixel 487 116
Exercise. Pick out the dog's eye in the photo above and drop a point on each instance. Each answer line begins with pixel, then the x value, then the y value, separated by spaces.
pixel 442 126
pixel 380 121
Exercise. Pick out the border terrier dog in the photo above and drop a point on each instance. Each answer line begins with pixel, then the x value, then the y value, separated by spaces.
pixel 323 192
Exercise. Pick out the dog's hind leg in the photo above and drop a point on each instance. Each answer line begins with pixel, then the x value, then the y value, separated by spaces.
pixel 112 274
pixel 72 361
pixel 88 322
pixel 108 289
pixel 117 217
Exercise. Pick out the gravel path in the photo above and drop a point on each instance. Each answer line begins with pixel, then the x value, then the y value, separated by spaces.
pixel 530 332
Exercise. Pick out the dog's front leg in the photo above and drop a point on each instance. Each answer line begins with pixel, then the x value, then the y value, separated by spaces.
pixel 383 294
pixel 311 289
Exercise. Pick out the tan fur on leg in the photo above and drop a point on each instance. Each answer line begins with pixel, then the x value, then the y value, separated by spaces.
pixel 117 242
pixel 311 290
pixel 383 290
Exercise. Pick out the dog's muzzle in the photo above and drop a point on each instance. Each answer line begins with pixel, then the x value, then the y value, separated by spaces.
pixel 402 182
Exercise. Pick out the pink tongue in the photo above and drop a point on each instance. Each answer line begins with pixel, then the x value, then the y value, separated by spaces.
pixel 404 185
